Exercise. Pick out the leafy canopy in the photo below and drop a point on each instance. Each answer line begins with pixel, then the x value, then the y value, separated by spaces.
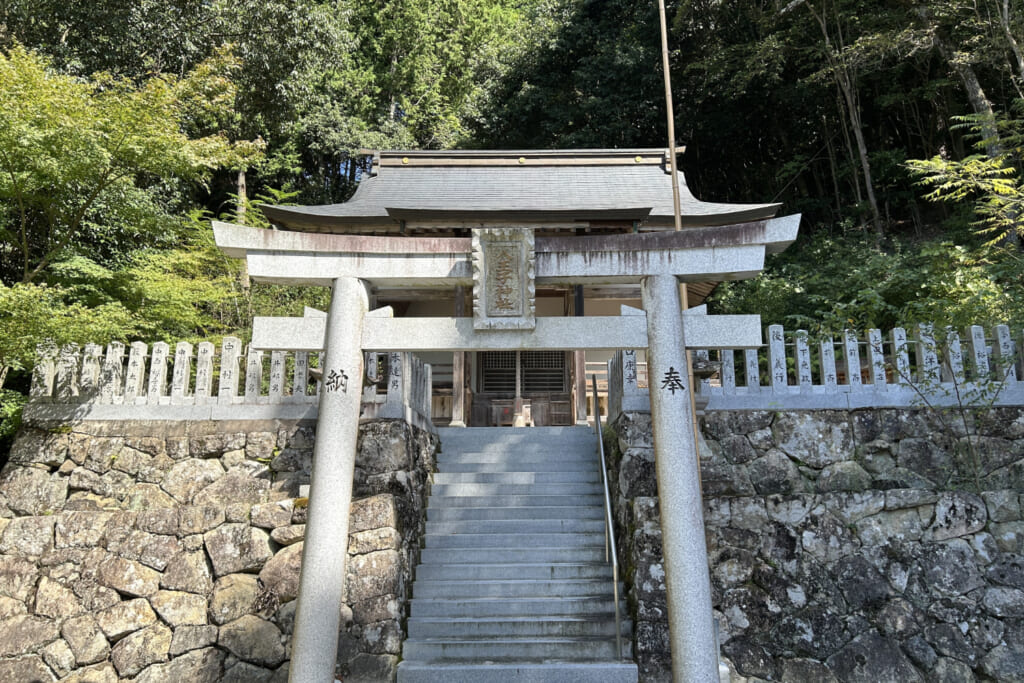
pixel 84 159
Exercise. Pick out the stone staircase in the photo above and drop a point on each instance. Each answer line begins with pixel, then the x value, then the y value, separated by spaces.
pixel 512 584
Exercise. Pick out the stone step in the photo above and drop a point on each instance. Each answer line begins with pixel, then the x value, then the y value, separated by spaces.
pixel 589 476
pixel 518 607
pixel 513 588
pixel 516 627
pixel 482 463
pixel 518 434
pixel 439 514
pixel 509 540
pixel 516 526
pixel 577 449
pixel 518 500
pixel 498 649
pixel 530 555
pixel 517 672
pixel 493 572
pixel 512 583
pixel 470 489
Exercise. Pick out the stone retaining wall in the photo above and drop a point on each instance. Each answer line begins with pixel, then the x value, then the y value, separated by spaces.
pixel 844 545
pixel 157 552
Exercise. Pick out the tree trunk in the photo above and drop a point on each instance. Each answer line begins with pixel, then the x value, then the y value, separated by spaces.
pixel 979 101
pixel 846 87
pixel 1004 22
pixel 243 274
pixel 987 118
pixel 243 197
pixel 242 202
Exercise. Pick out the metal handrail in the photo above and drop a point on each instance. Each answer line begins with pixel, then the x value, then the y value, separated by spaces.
pixel 610 552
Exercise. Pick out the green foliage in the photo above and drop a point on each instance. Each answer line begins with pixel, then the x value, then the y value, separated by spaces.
pixel 826 284
pixel 71 149
pixel 990 183
pixel 30 313
pixel 11 404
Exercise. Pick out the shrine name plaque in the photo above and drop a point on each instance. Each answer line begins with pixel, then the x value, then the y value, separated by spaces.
pixel 504 293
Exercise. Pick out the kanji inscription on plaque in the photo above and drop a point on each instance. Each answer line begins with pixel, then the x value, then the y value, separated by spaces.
pixel 503 272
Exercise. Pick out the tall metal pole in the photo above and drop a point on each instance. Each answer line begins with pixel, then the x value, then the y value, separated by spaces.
pixel 322 579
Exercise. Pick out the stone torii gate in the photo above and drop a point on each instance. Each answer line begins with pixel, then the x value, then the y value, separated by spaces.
pixel 504 265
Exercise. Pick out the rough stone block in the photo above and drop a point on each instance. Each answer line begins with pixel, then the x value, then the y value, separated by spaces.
pixel 158 521
pixel 957 514
pixel 179 608
pixel 373 540
pixel 128 577
pixel 198 520
pixel 147 497
pixel 189 477
pixel 31 668
pixel 233 597
pixel 33 491
pixel 85 638
pixel 843 476
pixel 369 668
pixel 123 618
pixel 288 535
pixel 17 577
pixel 382 637
pixel 59 657
pixel 135 652
pixel 381 608
pixel 27 536
pixel 384 447
pixel 188 571
pixel 188 638
pixel 237 548
pixel 24 634
pixel 233 489
pixel 281 573
pixel 373 512
pixel 1009 536
pixel 373 575
pixel 197 666
pixel 272 515
pixel 1003 506
pixel 870 657
pixel 253 640
pixel 891 526
pixel 213 445
pixel 39 447
pixel 56 601
pixel 775 473
pixel 815 439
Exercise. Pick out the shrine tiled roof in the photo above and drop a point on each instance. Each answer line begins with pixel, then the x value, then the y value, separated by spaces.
pixel 542 186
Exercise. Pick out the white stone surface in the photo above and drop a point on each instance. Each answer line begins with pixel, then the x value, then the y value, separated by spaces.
pixel 687 580
pixel 322 580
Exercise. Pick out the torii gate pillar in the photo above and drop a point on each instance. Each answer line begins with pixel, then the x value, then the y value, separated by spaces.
pixel 687 580
pixel 322 580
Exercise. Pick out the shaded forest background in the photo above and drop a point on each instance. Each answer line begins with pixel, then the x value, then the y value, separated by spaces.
pixel 896 128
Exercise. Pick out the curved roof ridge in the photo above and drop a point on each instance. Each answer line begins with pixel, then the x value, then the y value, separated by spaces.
pixel 552 185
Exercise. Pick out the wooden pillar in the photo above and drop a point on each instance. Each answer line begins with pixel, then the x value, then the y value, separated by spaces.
pixel 580 364
pixel 459 368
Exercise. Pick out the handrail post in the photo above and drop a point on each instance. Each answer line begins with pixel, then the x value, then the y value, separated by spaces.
pixel 610 552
